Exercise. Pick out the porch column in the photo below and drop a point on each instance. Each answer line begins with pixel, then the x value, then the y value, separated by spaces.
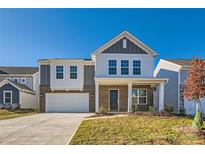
pixel 96 97
pixel 129 108
pixel 161 97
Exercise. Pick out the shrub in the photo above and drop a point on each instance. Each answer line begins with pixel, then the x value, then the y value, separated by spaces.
pixel 168 109
pixel 151 108
pixel 14 106
pixel 2 106
pixel 198 121
pixel 134 108
pixel 182 112
pixel 103 111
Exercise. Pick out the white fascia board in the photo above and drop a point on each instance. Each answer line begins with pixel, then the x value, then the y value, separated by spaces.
pixel 130 37
pixel 48 61
pixel 132 80
pixel 164 64
pixel 35 74
pixel 67 90
pixel 5 81
pixel 88 63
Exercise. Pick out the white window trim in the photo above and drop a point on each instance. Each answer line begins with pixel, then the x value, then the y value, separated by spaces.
pixel 127 67
pixel 6 91
pixel 140 67
pixel 59 72
pixel 118 101
pixel 16 78
pixel 124 43
pixel 112 67
pixel 140 96
pixel 74 72
pixel 9 78
pixel 24 79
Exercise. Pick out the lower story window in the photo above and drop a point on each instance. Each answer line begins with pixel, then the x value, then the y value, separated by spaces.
pixel 7 97
pixel 139 96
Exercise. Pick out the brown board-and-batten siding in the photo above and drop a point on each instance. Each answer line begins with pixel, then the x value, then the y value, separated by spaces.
pixel 130 49
pixel 45 75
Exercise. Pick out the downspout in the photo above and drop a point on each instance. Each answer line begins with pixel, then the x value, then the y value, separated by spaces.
pixel 178 88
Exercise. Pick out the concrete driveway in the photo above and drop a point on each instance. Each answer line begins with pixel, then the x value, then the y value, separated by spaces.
pixel 45 128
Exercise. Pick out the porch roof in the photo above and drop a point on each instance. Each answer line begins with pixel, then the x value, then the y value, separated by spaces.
pixel 125 81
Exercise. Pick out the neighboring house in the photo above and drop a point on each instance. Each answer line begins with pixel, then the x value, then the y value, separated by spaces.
pixel 119 76
pixel 19 85
pixel 176 70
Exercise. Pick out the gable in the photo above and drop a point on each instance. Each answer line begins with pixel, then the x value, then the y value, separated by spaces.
pixel 130 49
pixel 9 87
pixel 134 46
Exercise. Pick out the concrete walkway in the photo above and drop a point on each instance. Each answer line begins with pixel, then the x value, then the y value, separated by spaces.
pixel 45 128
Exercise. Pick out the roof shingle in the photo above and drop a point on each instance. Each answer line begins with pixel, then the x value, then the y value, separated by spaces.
pixel 21 86
pixel 18 70
pixel 182 62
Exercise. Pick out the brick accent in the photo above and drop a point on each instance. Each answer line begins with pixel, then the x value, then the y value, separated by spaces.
pixel 91 90
pixel 86 89
pixel 104 96
pixel 123 96
pixel 42 99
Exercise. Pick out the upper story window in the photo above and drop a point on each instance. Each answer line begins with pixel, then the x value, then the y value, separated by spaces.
pixel 112 67
pixel 136 67
pixel 124 41
pixel 9 78
pixel 73 72
pixel 124 67
pixel 16 79
pixel 23 80
pixel 59 72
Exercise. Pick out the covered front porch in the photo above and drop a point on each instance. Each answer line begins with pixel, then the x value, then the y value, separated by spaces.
pixel 128 94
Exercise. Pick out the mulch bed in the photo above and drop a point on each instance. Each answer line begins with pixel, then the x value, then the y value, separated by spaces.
pixel 192 131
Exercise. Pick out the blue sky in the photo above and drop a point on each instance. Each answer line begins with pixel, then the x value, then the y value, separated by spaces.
pixel 27 35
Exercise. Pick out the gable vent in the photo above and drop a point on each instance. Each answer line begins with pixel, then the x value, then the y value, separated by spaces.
pixel 124 43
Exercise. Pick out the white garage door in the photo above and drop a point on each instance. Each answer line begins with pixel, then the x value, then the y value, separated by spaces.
pixel 67 102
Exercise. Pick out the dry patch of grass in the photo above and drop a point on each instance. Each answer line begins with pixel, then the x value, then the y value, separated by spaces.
pixel 8 114
pixel 137 129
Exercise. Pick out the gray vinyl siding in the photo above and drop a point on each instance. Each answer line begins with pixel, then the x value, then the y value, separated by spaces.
pixel 171 88
pixel 118 48
pixel 45 75
pixel 183 76
pixel 89 74
pixel 29 80
pixel 15 93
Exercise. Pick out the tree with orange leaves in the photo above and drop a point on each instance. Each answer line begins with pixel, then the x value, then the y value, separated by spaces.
pixel 194 88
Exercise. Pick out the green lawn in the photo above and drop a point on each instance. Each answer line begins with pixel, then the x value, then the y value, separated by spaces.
pixel 138 129
pixel 7 114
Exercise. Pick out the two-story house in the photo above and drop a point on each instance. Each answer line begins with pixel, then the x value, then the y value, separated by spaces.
pixel 19 86
pixel 119 76
pixel 177 71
